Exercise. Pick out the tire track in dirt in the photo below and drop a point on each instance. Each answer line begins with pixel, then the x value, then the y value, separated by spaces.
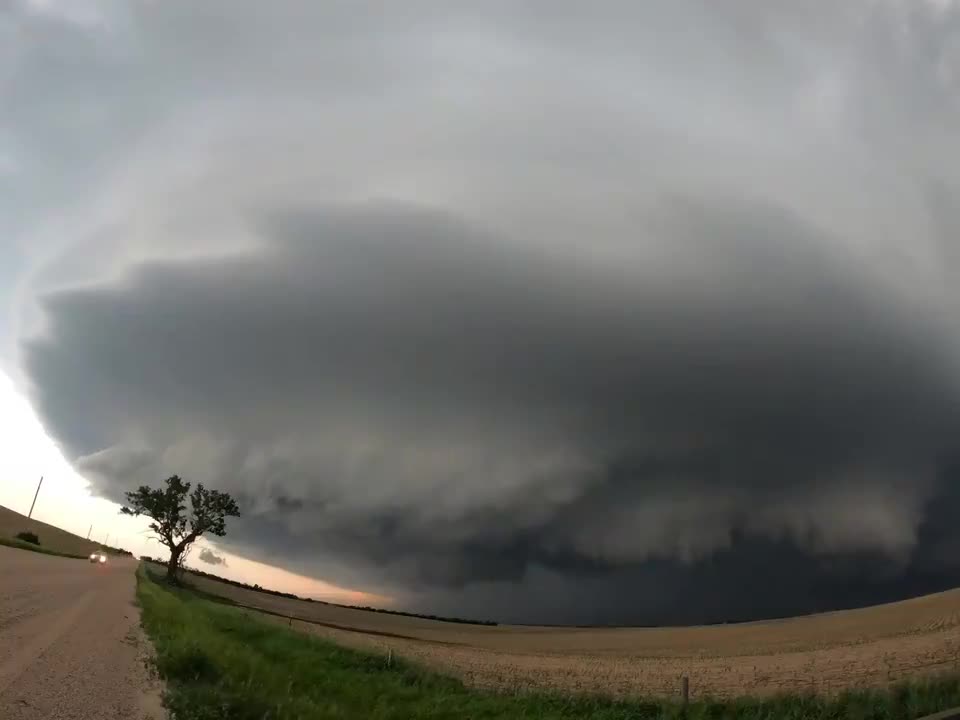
pixel 34 641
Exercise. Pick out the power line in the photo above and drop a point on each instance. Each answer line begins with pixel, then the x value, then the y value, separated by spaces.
pixel 30 514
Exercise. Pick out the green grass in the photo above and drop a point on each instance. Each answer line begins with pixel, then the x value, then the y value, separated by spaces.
pixel 20 544
pixel 219 662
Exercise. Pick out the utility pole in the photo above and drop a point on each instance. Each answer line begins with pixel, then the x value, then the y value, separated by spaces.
pixel 30 514
pixel 107 541
pixel 89 531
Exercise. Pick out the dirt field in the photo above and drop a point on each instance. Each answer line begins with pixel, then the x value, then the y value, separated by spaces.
pixel 52 538
pixel 822 653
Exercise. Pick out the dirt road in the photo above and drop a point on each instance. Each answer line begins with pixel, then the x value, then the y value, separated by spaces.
pixel 70 641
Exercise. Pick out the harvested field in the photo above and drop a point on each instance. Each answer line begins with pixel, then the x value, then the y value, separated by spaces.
pixel 51 538
pixel 826 653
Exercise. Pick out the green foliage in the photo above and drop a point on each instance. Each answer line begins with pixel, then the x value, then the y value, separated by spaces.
pixel 174 525
pixel 221 662
pixel 29 537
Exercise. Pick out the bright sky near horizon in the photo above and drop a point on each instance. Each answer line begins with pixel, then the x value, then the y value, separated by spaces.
pixel 65 501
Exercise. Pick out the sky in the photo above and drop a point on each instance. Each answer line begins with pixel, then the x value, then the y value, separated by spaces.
pixel 65 499
pixel 539 312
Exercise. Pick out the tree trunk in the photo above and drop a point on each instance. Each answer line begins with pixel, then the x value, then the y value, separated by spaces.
pixel 173 566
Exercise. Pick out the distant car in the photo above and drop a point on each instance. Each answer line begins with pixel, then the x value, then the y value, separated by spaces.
pixel 98 558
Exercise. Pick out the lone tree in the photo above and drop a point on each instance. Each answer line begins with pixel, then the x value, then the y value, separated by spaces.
pixel 176 526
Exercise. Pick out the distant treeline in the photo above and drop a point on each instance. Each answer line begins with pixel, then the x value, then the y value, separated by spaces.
pixel 439 618
pixel 268 591
pixel 115 550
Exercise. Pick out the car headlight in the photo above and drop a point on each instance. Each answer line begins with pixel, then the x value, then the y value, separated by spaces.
pixel 103 558
pixel 93 556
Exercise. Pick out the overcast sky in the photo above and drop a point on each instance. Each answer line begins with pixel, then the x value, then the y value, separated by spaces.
pixel 545 311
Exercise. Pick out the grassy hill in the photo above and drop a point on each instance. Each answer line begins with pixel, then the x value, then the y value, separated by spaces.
pixel 52 538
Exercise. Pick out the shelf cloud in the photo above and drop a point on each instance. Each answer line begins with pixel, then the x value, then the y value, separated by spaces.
pixel 581 320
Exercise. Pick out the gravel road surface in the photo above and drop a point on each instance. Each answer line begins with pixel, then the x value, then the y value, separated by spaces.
pixel 70 640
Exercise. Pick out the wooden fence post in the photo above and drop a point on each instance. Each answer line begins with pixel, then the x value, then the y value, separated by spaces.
pixel 685 690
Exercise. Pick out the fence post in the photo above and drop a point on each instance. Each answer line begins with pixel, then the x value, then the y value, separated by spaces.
pixel 685 690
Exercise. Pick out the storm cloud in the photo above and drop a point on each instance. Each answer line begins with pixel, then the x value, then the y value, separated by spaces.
pixel 568 321
pixel 209 557
pixel 397 389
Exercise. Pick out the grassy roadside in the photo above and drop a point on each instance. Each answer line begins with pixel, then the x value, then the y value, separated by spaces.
pixel 219 663
pixel 20 544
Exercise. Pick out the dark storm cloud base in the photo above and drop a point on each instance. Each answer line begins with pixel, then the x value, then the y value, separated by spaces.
pixel 405 402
